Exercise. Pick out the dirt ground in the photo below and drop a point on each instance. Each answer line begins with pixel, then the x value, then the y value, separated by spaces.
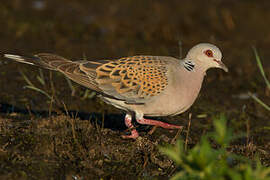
pixel 79 136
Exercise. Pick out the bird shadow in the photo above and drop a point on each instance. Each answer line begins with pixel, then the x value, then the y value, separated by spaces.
pixel 111 121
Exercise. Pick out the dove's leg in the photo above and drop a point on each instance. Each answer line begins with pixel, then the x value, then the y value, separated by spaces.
pixel 140 119
pixel 134 133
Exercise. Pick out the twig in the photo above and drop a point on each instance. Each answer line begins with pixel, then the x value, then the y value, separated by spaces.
pixel 177 135
pixel 189 123
pixel 247 127
pixel 152 130
pixel 65 107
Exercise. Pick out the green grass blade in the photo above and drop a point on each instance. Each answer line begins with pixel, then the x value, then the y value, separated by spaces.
pixel 26 79
pixel 259 101
pixel 259 63
pixel 85 95
pixel 39 90
pixel 40 80
pixel 70 86
pixel 41 77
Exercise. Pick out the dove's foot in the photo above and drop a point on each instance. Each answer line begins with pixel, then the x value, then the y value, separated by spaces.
pixel 140 119
pixel 158 123
pixel 134 133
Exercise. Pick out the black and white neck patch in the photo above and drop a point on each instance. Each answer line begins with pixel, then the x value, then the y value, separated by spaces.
pixel 189 65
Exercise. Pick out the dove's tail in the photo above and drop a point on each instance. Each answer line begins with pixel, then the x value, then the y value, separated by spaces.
pixel 71 69
pixel 21 59
pixel 44 60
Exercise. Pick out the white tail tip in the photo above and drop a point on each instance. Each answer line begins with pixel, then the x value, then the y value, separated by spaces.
pixel 17 58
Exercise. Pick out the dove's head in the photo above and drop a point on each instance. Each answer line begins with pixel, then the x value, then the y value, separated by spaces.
pixel 206 55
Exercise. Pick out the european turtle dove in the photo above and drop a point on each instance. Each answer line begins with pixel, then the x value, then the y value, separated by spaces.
pixel 146 85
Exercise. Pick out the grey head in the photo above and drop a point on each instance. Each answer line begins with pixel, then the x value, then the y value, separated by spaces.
pixel 206 56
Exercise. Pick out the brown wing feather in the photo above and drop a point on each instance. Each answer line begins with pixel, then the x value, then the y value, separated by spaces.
pixel 69 68
pixel 132 78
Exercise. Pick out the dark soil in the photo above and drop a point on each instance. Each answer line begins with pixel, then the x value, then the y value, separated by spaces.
pixel 77 137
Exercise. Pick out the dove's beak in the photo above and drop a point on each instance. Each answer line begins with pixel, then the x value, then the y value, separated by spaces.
pixel 221 65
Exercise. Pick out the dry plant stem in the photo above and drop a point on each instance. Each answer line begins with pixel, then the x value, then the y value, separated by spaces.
pixel 172 172
pixel 72 124
pixel 152 130
pixel 145 163
pixel 98 131
pixel 29 110
pixel 103 118
pixel 189 123
pixel 50 108
pixel 177 135
pixel 248 131
pixel 65 107
pixel 76 115
pixel 53 89
pixel 73 129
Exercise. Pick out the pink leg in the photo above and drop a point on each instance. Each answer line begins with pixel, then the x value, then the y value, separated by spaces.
pixel 141 120
pixel 134 133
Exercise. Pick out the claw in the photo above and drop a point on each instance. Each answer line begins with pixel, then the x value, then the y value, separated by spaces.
pixel 134 132
pixel 134 135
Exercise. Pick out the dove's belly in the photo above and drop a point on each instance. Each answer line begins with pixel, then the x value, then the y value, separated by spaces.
pixel 165 105
pixel 171 103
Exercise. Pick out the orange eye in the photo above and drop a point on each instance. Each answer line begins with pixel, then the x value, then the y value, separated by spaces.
pixel 208 53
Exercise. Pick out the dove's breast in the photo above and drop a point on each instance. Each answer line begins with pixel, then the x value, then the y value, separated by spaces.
pixel 183 89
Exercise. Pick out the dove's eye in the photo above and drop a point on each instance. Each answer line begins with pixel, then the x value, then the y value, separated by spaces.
pixel 208 53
